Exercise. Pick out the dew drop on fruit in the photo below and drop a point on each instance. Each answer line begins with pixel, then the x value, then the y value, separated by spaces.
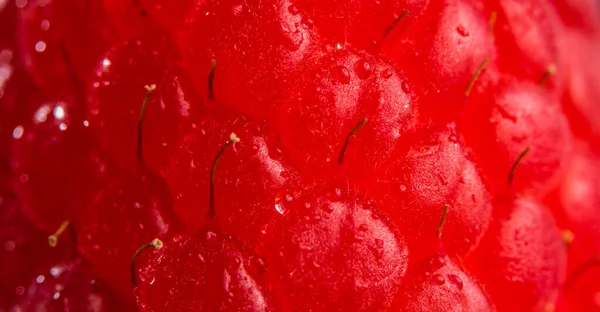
pixel 405 87
pixel 386 74
pixel 363 69
pixel 437 279
pixel 403 188
pixel 341 74
pixel 279 208
pixel 456 281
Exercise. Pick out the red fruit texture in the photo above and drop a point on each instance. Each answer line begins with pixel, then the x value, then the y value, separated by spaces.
pixel 582 85
pixel 331 98
pixel 258 61
pixel 439 284
pixel 332 251
pixel 23 250
pixel 574 205
pixel 359 121
pixel 207 271
pixel 252 177
pixel 57 36
pixel 56 169
pixel 69 286
pixel 431 171
pixel 442 53
pixel 529 38
pixel 359 22
pixel 521 260
pixel 169 14
pixel 135 204
pixel 116 97
pixel 511 117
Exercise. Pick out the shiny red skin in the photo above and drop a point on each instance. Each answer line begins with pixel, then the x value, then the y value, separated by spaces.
pixel 52 144
pixel 327 239
pixel 583 85
pixel 207 271
pixel 252 176
pixel 503 122
pixel 461 30
pixel 431 170
pixel 62 41
pixel 440 284
pixel 331 98
pixel 256 63
pixel 529 38
pixel 361 23
pixel 69 286
pixel 24 249
pixel 521 261
pixel 574 205
pixel 136 205
pixel 116 96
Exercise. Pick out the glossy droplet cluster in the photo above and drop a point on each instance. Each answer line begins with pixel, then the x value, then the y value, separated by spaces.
pixel 299 155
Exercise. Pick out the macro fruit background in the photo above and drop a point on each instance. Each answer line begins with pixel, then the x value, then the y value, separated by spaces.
pixel 389 155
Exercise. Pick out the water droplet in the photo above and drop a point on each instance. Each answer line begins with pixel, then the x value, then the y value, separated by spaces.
pixel 41 114
pixel 307 205
pixel 40 46
pixel 341 74
pixel 462 31
pixel 456 281
pixel 288 198
pixel 438 279
pixel 338 192
pixel 402 188
pixel 18 132
pixel 435 263
pixel 20 290
pixel 40 279
pixel 45 25
pixel 387 73
pixel 279 208
pixel 363 69
pixel 405 87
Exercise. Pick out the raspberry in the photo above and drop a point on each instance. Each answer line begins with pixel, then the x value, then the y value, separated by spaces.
pixel 360 122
